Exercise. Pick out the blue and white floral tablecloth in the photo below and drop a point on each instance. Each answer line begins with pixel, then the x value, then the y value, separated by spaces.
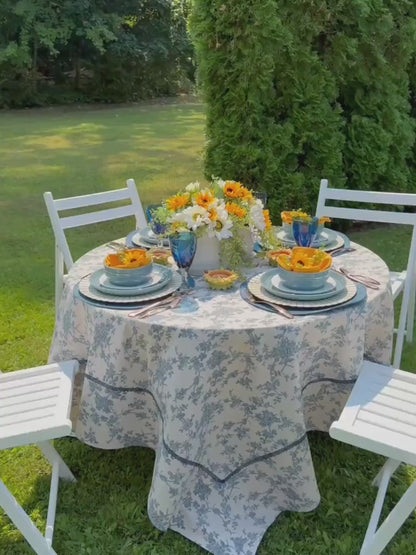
pixel 224 395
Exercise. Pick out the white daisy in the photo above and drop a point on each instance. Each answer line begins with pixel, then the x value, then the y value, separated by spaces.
pixel 192 187
pixel 257 216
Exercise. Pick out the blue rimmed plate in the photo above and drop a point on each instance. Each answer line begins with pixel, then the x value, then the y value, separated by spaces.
pixel 87 290
pixel 159 277
pixel 272 283
pixel 328 240
pixel 256 288
pixel 146 238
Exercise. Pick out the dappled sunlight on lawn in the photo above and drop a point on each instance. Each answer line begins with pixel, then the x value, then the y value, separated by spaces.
pixel 31 171
pixel 53 142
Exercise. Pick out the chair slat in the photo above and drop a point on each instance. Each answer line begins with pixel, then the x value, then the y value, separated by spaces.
pixel 82 201
pixel 373 197
pixel 97 217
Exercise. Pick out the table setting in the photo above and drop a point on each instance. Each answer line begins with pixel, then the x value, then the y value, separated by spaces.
pixel 222 371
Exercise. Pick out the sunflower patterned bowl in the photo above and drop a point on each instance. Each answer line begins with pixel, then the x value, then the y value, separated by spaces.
pixel 272 256
pixel 304 269
pixel 128 267
pixel 220 279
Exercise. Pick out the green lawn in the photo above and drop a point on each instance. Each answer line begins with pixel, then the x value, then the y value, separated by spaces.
pixel 76 151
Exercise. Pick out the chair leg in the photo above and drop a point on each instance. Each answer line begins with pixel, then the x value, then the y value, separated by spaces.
pixel 53 457
pixel 389 466
pixel 23 522
pixel 411 313
pixel 376 540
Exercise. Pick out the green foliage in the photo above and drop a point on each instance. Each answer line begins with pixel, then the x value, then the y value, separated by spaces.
pixel 301 90
pixel 84 50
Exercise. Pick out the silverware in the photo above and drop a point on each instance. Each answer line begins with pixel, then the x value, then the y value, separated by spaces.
pixel 341 250
pixel 277 307
pixel 160 308
pixel 368 281
pixel 116 245
pixel 155 304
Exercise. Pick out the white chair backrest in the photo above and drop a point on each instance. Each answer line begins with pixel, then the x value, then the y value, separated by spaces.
pixel 63 257
pixel 379 216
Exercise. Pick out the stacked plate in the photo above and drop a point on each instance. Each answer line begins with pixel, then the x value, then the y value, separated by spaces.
pixel 328 240
pixel 269 287
pixel 146 238
pixel 161 282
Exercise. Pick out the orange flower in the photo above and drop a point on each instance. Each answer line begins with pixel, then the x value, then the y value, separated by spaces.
pixel 235 210
pixel 324 220
pixel 232 189
pixel 267 219
pixel 287 216
pixel 204 199
pixel 213 214
pixel 245 194
pixel 177 202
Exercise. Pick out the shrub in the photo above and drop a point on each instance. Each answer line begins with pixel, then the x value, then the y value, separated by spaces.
pixel 296 91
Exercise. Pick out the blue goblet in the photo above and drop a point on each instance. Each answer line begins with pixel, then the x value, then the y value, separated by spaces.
pixel 183 247
pixel 155 225
pixel 305 231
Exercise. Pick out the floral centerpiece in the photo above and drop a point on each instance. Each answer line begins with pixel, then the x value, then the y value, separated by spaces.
pixel 223 214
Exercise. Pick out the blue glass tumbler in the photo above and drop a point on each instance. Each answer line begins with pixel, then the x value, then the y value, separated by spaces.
pixel 183 247
pixel 305 231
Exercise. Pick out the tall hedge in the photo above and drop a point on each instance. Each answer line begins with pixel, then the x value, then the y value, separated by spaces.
pixel 298 90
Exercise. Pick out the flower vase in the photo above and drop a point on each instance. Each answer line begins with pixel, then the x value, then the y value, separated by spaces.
pixel 207 256
pixel 246 235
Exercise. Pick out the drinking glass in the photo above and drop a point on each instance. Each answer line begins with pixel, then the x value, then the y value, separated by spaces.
pixel 183 247
pixel 305 231
pixel 157 227
pixel 262 195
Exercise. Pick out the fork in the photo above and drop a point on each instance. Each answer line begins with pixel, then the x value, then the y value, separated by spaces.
pixel 152 311
pixel 368 281
pixel 277 307
pixel 156 304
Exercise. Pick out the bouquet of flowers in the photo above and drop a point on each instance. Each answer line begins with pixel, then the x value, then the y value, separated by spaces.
pixel 221 210
pixel 218 210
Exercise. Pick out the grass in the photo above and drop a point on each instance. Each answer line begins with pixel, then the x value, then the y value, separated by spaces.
pixel 74 151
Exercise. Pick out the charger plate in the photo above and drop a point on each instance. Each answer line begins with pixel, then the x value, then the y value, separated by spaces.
pixel 256 289
pixel 361 296
pixel 272 283
pixel 145 238
pixel 89 292
pixel 329 239
pixel 159 278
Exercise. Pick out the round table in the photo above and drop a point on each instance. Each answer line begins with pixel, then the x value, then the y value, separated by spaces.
pixel 224 395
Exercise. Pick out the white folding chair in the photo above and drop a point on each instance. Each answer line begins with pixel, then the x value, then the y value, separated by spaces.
pixel 401 282
pixel 380 416
pixel 35 408
pixel 63 258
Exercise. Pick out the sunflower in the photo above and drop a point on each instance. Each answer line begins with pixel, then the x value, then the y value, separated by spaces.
pixel 267 219
pixel 235 210
pixel 245 194
pixel 204 199
pixel 324 220
pixel 232 189
pixel 177 202
pixel 212 214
